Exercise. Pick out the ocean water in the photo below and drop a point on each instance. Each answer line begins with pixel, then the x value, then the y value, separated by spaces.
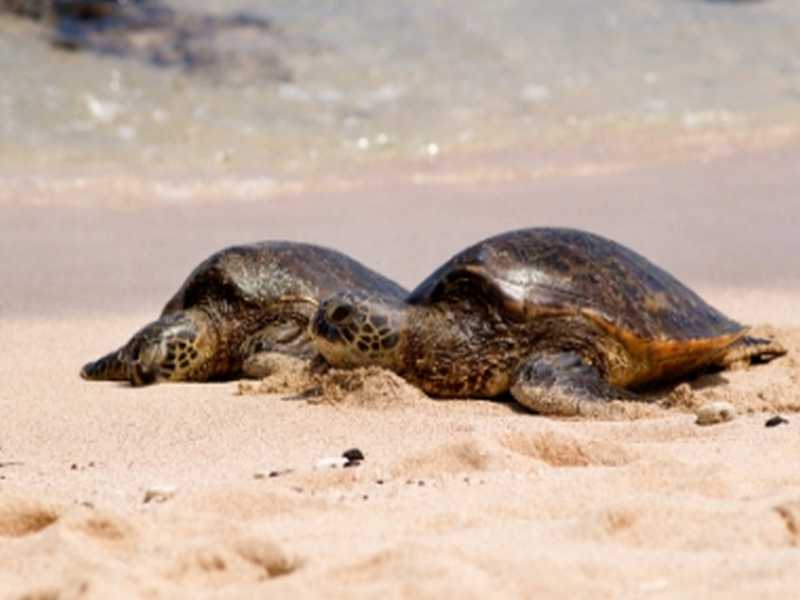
pixel 342 86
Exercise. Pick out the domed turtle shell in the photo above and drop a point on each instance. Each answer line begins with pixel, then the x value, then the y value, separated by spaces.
pixel 257 275
pixel 548 271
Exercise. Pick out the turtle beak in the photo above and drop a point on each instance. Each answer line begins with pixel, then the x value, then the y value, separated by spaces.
pixel 111 367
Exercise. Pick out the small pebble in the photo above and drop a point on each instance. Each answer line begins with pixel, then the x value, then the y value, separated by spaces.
pixel 160 493
pixel 715 412
pixel 265 474
pixel 354 457
pixel 775 421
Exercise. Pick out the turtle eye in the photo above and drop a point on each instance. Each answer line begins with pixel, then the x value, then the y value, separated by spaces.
pixel 340 313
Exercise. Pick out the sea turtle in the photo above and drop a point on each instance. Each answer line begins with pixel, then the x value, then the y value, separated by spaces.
pixel 557 317
pixel 241 301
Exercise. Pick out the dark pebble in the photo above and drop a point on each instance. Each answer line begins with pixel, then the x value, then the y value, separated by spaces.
pixel 74 466
pixel 775 421
pixel 379 481
pixel 278 473
pixel 354 454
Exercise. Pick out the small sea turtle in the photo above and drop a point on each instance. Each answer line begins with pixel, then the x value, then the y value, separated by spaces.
pixel 555 316
pixel 239 302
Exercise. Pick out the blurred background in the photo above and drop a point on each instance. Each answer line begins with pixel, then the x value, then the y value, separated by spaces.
pixel 137 137
pixel 288 89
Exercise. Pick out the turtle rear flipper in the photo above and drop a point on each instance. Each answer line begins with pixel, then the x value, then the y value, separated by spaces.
pixel 111 367
pixel 751 350
pixel 562 384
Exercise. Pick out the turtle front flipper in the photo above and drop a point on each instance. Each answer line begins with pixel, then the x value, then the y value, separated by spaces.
pixel 562 384
pixel 286 335
pixel 111 367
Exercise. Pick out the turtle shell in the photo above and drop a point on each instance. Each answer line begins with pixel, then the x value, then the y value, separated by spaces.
pixel 548 270
pixel 261 274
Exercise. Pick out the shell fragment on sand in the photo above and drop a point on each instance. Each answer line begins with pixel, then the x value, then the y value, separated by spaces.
pixel 330 462
pixel 159 493
pixel 349 458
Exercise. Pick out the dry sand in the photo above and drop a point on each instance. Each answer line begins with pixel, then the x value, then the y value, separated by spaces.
pixel 454 498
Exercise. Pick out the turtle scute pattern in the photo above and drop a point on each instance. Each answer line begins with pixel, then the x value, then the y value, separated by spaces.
pixel 582 271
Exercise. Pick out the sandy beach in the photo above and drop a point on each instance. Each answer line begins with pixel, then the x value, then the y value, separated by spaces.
pixel 165 492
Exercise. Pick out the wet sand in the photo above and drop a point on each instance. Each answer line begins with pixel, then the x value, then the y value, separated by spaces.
pixel 455 498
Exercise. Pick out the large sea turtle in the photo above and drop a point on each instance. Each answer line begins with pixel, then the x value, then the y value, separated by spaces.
pixel 555 316
pixel 241 301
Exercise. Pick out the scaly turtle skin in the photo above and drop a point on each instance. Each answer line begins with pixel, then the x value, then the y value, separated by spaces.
pixel 239 302
pixel 555 316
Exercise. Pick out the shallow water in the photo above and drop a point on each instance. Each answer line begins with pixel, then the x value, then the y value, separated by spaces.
pixel 405 82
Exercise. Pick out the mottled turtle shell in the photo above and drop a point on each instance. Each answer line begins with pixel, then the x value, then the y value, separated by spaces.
pixel 256 276
pixel 537 271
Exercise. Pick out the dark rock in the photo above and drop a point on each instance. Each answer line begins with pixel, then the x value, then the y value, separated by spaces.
pixel 775 421
pixel 232 48
pixel 354 457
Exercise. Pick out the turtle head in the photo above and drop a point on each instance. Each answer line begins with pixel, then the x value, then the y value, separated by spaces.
pixel 355 329
pixel 177 347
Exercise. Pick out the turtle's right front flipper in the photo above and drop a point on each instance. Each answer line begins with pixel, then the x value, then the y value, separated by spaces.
pixel 562 384
pixel 111 367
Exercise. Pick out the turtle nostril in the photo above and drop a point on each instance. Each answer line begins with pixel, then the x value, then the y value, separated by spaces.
pixel 340 313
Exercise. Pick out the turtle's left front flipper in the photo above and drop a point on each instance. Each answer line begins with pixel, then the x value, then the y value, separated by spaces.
pixel 562 384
